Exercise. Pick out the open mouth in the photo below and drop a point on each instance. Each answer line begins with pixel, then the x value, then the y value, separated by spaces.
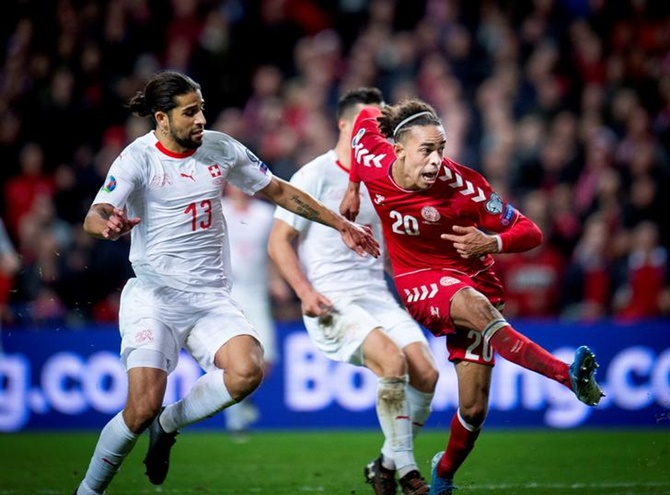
pixel 429 176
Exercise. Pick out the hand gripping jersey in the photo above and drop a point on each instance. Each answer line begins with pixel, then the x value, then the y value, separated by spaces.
pixel 414 220
pixel 181 240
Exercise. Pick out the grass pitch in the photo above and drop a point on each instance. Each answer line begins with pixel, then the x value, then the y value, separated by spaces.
pixel 547 462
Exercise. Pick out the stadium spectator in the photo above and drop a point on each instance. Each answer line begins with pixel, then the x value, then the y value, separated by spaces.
pixel 21 190
pixel 435 214
pixel 350 314
pixel 644 275
pixel 588 279
pixel 533 279
pixel 166 188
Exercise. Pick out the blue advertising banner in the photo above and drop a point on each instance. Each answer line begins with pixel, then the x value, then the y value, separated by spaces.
pixel 74 379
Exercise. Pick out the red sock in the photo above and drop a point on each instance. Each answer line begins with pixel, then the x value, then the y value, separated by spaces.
pixel 520 350
pixel 461 443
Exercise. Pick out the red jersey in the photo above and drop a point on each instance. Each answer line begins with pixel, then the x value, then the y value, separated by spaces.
pixel 413 221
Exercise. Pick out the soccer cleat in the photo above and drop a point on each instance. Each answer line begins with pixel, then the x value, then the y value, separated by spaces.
pixel 382 479
pixel 413 484
pixel 439 486
pixel 582 377
pixel 157 460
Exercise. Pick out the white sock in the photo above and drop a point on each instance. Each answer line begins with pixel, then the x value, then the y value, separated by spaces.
pixel 114 444
pixel 393 415
pixel 419 408
pixel 208 397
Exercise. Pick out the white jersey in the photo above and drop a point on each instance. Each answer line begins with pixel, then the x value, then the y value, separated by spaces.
pixel 249 230
pixel 181 240
pixel 327 262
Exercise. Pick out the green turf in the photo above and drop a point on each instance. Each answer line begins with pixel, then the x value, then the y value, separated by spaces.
pixel 602 462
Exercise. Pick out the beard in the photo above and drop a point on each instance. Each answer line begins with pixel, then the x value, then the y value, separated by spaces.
pixel 187 141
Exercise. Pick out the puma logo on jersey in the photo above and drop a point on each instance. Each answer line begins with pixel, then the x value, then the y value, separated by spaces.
pixel 465 187
pixel 421 293
pixel 187 176
pixel 367 159
pixel 379 199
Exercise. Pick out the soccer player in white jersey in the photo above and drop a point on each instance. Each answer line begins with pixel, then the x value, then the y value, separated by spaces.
pixel 165 188
pixel 349 311
pixel 255 280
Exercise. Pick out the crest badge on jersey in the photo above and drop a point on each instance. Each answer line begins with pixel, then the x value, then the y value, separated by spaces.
pixel 447 281
pixel 214 170
pixel 357 137
pixel 430 214
pixel 251 156
pixel 110 185
pixel 494 205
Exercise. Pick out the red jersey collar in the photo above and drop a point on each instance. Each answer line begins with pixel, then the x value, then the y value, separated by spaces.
pixel 339 164
pixel 172 154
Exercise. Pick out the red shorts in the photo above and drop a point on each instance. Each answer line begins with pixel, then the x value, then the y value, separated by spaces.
pixel 427 296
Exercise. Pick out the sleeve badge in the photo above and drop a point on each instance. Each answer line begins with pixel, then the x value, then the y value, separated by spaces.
pixel 494 205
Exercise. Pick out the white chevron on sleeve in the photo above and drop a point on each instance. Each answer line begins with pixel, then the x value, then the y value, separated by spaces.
pixel 480 196
pixel 358 151
pixel 468 189
pixel 376 160
pixel 447 174
pixel 458 181
pixel 433 291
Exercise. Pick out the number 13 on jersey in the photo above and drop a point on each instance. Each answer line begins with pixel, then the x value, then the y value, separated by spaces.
pixel 202 210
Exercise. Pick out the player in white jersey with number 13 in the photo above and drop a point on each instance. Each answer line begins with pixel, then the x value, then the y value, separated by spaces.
pixel 350 313
pixel 165 188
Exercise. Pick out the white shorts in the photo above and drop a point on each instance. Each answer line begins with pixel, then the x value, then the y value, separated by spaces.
pixel 354 317
pixel 166 320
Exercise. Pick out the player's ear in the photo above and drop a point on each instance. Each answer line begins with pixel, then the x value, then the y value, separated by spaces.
pixel 399 150
pixel 161 118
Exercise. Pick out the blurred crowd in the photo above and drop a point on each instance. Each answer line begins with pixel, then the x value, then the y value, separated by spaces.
pixel 564 105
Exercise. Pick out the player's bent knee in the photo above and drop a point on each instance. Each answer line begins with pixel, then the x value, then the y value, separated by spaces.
pixel 139 416
pixel 241 381
pixel 471 309
pixel 426 381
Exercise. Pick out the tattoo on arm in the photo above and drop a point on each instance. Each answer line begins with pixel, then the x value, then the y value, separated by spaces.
pixel 305 210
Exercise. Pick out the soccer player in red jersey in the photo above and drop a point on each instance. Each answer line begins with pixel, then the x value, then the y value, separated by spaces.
pixel 441 223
